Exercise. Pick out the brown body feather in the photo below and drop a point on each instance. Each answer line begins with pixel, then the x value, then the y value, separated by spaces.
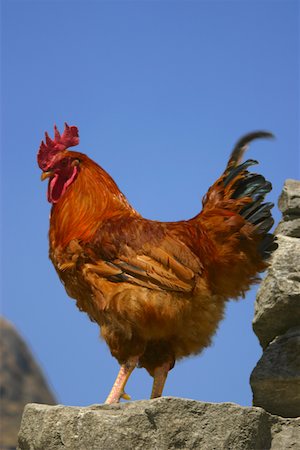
pixel 156 289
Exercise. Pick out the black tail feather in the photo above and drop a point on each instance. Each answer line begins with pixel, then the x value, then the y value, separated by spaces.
pixel 255 187
pixel 262 212
pixel 236 170
pixel 249 209
pixel 268 245
pixel 250 185
pixel 264 225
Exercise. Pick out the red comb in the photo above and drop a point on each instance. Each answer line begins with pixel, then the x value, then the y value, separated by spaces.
pixel 51 147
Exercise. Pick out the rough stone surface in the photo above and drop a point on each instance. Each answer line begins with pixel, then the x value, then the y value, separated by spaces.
pixel 289 205
pixel 277 305
pixel 21 381
pixel 165 423
pixel 289 226
pixel 275 381
pixel 289 200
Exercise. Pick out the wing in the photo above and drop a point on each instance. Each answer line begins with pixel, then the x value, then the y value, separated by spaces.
pixel 144 253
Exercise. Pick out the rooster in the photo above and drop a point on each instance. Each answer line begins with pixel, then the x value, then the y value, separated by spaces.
pixel 156 289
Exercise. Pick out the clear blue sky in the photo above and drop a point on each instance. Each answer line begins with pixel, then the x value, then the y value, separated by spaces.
pixel 160 91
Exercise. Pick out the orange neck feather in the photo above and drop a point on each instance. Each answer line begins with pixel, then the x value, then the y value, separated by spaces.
pixel 90 199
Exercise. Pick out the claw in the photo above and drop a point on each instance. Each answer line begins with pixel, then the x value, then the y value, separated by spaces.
pixel 125 396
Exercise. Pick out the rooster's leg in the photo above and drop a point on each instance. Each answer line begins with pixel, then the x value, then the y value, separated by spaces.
pixel 160 376
pixel 117 391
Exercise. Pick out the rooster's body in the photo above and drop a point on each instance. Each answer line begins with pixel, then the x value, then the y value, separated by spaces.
pixel 157 289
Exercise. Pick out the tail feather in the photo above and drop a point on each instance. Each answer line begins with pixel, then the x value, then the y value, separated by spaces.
pixel 233 171
pixel 255 213
pixel 242 145
pixel 267 245
pixel 254 186
pixel 243 192
pixel 264 225
pixel 251 185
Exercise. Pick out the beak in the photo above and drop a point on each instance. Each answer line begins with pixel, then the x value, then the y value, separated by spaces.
pixel 46 175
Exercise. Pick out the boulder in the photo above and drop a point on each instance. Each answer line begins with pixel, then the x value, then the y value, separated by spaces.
pixel 289 226
pixel 275 381
pixel 164 423
pixel 289 200
pixel 289 205
pixel 277 306
pixel 21 381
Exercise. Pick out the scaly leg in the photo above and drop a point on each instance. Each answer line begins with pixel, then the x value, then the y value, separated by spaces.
pixel 117 391
pixel 160 376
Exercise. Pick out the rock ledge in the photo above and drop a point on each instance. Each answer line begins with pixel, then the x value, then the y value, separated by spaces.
pixel 159 424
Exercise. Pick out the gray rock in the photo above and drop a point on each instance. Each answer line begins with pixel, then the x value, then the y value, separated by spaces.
pixel 21 381
pixel 289 204
pixel 289 226
pixel 289 200
pixel 275 381
pixel 277 306
pixel 165 423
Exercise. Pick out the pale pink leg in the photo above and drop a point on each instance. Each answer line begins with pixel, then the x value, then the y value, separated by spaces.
pixel 160 376
pixel 117 391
